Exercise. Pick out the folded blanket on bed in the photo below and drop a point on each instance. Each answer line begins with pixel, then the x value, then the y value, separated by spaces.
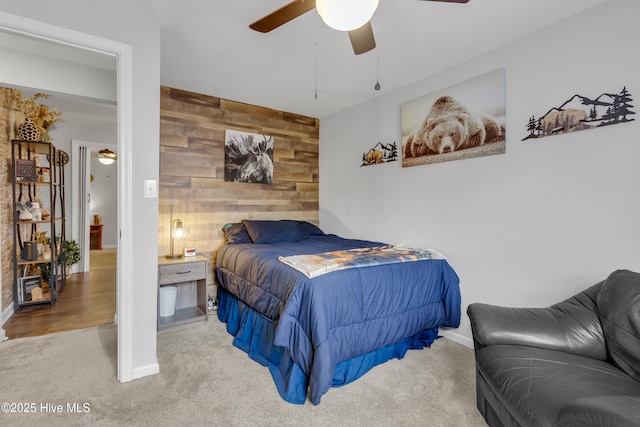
pixel 318 264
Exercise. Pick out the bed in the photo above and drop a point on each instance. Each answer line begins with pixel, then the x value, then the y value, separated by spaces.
pixel 320 329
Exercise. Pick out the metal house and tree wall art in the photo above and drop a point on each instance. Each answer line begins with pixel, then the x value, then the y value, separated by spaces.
pixel 580 112
pixel 380 153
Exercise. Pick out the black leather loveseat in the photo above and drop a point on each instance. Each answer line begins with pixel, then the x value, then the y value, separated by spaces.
pixel 576 363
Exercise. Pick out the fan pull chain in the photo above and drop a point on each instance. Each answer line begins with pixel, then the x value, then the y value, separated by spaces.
pixel 377 86
pixel 316 87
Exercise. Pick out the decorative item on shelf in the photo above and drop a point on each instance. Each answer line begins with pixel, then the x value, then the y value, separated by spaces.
pixel 177 234
pixel 97 219
pixel 44 174
pixel 28 131
pixel 45 272
pixel 33 270
pixel 36 294
pixel 25 215
pixel 36 211
pixel 43 243
pixel 30 251
pixel 24 209
pixel 25 170
pixel 26 285
pixel 33 120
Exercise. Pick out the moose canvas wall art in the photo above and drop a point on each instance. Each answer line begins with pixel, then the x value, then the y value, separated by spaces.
pixel 248 157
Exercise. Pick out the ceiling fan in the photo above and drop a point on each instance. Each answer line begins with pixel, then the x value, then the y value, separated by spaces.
pixel 362 39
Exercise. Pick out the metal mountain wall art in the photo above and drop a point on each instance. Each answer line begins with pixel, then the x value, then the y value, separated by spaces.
pixel 380 153
pixel 580 112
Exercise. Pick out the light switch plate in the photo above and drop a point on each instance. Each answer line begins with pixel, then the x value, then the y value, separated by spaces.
pixel 150 189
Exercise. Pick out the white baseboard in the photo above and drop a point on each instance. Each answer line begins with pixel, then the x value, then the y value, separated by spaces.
pixel 454 336
pixel 145 371
pixel 7 313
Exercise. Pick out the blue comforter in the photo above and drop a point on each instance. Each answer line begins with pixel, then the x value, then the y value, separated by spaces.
pixel 330 319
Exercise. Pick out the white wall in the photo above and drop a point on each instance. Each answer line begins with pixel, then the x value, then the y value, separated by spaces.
pixel 81 80
pixel 527 228
pixel 134 24
pixel 74 129
pixel 104 200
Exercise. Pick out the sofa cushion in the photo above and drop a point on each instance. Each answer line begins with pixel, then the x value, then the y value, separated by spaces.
pixel 600 411
pixel 619 307
pixel 534 384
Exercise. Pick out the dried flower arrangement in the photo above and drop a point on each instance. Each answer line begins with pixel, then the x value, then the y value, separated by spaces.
pixel 39 114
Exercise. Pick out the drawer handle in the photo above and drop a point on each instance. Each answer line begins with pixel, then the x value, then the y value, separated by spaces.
pixel 183 272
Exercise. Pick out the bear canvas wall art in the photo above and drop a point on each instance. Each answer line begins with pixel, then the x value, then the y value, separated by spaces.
pixel 462 121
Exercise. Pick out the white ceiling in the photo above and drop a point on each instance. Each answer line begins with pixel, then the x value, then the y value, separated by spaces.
pixel 207 47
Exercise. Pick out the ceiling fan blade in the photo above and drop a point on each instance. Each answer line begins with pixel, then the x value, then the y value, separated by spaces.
pixel 362 39
pixel 451 1
pixel 283 15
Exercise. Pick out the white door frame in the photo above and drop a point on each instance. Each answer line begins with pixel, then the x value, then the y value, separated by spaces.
pixel 77 210
pixel 123 53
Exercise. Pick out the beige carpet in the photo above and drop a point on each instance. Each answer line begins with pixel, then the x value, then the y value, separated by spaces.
pixel 204 380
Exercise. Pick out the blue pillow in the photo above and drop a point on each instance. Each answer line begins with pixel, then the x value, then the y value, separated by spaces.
pixel 273 231
pixel 236 233
pixel 309 229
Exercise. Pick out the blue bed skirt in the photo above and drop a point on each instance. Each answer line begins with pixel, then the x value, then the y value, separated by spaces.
pixel 254 334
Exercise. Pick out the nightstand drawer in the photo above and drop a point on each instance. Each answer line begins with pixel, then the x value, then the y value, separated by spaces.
pixel 183 272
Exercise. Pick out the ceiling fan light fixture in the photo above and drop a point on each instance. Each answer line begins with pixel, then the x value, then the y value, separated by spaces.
pixel 346 15
pixel 107 157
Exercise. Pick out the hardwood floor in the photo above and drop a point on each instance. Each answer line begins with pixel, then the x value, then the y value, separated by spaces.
pixel 89 299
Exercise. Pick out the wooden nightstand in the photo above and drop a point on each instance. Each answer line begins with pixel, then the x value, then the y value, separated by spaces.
pixel 95 236
pixel 189 276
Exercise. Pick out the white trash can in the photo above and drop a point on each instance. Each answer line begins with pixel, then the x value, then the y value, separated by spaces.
pixel 168 300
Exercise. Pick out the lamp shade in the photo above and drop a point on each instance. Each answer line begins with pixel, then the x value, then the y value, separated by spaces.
pixel 346 15
pixel 177 234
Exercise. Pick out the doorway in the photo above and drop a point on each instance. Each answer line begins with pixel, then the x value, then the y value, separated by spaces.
pixel 94 200
pixel 50 34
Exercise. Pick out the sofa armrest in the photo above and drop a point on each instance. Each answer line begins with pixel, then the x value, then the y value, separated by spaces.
pixel 572 326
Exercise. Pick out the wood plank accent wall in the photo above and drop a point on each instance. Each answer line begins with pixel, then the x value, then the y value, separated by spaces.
pixel 6 201
pixel 192 186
